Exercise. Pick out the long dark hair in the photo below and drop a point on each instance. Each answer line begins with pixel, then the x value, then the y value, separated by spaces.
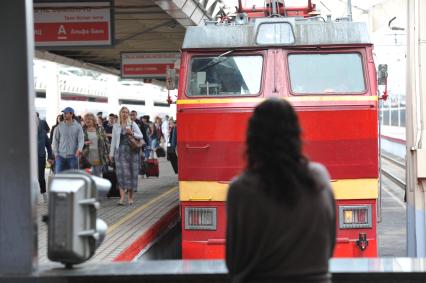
pixel 274 151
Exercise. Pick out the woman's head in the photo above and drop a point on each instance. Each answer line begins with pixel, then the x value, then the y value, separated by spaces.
pixel 99 121
pixel 90 120
pixel 59 118
pixel 123 115
pixel 274 148
pixel 273 127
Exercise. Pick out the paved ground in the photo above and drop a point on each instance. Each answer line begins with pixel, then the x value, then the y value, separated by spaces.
pixel 392 228
pixel 154 198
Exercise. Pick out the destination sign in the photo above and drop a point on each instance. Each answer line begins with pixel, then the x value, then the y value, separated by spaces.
pixel 147 65
pixel 72 24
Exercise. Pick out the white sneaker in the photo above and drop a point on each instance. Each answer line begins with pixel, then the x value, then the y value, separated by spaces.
pixel 44 197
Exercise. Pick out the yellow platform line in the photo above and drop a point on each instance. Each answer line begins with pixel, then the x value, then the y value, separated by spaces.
pixel 140 209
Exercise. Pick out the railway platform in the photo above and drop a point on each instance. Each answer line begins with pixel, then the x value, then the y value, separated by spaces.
pixel 392 141
pixel 396 134
pixel 132 229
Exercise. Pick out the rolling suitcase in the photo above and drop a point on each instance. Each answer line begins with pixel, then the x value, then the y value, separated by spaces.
pixel 110 175
pixel 152 168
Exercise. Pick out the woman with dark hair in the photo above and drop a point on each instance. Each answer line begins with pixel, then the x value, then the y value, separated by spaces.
pixel 281 210
pixel 59 119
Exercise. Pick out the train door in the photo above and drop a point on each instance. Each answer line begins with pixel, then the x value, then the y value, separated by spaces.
pixel 333 93
pixel 216 99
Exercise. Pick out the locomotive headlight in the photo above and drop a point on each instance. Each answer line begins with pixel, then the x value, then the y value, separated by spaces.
pixel 200 218
pixel 357 216
pixel 274 32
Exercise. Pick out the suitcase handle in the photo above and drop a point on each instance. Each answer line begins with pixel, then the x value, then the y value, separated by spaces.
pixel 198 147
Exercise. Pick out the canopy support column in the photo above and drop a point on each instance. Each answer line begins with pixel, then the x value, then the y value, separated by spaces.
pixel 18 183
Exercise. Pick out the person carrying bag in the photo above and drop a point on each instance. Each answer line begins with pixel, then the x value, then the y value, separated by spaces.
pixel 135 144
pixel 127 160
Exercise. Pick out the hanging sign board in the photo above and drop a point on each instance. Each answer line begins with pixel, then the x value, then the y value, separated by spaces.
pixel 147 65
pixel 72 24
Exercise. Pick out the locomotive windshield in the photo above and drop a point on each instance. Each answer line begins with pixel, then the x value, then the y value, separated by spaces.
pixel 225 76
pixel 326 73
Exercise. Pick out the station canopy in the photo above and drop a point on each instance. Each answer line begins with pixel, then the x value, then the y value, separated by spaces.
pixel 135 26
pixel 146 25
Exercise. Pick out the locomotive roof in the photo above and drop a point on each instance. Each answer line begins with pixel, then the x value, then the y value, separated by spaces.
pixel 305 33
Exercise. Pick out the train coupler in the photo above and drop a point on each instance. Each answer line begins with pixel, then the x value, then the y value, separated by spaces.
pixel 362 241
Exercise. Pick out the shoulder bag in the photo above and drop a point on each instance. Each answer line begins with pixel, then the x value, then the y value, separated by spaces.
pixel 135 144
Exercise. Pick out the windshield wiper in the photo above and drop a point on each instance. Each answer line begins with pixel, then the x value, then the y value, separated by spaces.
pixel 216 60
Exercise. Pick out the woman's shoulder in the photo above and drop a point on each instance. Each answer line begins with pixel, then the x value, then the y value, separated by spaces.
pixel 244 183
pixel 320 174
pixel 100 129
pixel 245 195
pixel 134 124
pixel 318 169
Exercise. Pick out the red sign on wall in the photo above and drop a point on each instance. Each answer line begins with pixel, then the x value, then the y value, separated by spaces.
pixel 72 24
pixel 147 65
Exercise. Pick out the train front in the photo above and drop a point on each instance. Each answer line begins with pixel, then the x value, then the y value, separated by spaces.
pixel 326 70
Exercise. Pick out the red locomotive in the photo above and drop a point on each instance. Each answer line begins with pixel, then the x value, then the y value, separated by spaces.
pixel 325 69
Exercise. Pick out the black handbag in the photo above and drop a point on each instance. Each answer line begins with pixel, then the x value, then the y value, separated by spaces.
pixel 170 152
pixel 160 152
pixel 84 163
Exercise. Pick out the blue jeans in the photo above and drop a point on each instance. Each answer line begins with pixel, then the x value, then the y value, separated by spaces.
pixel 64 163
pixel 147 151
pixel 154 143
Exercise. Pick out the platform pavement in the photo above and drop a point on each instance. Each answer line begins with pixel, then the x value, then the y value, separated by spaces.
pixel 397 133
pixel 392 169
pixel 154 198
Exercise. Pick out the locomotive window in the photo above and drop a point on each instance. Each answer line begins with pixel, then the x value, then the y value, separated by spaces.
pixel 326 73
pixel 225 76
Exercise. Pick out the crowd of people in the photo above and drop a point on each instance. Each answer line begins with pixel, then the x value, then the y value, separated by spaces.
pixel 95 143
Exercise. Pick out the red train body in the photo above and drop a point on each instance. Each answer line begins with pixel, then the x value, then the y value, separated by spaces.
pixel 221 81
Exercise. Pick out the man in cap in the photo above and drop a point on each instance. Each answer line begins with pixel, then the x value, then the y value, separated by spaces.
pixel 68 142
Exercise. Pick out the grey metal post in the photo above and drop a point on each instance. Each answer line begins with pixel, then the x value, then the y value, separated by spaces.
pixel 18 230
pixel 415 129
pixel 350 10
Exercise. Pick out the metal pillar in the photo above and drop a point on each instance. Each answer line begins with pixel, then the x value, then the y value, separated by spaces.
pixel 18 185
pixel 349 10
pixel 53 94
pixel 416 134
pixel 112 94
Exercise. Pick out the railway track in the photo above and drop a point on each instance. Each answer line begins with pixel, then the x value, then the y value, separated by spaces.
pixel 401 183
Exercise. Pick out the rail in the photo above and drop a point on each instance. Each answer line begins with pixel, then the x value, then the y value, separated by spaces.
pixel 401 184
pixel 393 161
